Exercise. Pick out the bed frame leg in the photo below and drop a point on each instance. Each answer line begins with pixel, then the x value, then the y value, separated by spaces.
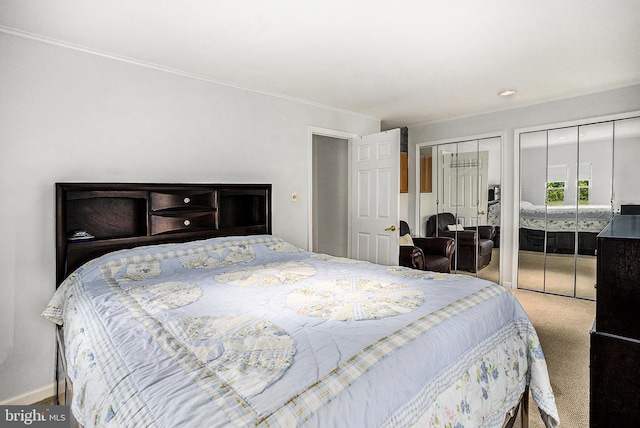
pixel 524 409
pixel 57 370
pixel 62 393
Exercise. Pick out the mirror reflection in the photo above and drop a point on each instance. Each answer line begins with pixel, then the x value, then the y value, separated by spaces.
pixel 627 174
pixel 459 184
pixel 532 236
pixel 572 181
pixel 560 211
pixel 593 199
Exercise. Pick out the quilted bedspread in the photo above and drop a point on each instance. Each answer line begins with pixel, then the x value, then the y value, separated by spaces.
pixel 558 218
pixel 255 332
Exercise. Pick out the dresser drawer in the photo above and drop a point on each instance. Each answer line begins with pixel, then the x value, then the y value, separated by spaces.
pixel 183 200
pixel 614 381
pixel 618 279
pixel 182 222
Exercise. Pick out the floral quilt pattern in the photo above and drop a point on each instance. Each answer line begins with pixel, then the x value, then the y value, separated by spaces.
pixel 354 299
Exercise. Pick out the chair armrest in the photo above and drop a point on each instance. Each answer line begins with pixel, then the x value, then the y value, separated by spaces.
pixel 462 237
pixel 442 246
pixel 484 232
pixel 411 256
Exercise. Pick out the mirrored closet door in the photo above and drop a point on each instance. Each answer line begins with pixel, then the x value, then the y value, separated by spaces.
pixel 459 197
pixel 626 165
pixel 572 181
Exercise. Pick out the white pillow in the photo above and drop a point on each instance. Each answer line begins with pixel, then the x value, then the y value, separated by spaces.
pixel 405 240
pixel 453 227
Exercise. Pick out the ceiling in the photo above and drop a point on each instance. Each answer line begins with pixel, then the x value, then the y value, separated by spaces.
pixel 405 62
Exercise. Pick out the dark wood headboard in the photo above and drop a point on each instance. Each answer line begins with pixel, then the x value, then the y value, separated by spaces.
pixel 126 215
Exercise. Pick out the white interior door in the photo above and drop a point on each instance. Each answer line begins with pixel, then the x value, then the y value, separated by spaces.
pixel 376 197
pixel 465 183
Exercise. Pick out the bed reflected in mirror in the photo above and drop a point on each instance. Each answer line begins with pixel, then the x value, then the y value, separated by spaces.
pixel 572 181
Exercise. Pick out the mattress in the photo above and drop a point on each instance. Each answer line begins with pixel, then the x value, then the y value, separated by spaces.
pixel 253 331
pixel 587 218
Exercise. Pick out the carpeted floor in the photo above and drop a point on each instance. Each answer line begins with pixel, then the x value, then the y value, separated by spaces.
pixel 563 325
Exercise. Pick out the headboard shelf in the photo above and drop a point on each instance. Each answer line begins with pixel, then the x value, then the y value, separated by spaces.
pixel 127 215
pixel 88 194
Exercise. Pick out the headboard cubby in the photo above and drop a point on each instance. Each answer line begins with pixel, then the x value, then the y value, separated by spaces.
pixel 242 208
pixel 93 219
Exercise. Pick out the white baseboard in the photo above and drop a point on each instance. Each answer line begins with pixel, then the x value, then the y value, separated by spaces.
pixel 31 397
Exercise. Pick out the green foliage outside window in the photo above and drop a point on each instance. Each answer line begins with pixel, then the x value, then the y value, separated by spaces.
pixel 583 192
pixel 555 193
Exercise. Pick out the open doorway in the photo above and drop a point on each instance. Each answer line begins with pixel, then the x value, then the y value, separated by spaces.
pixel 354 187
pixel 330 195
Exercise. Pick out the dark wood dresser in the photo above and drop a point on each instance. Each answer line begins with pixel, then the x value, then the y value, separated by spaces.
pixel 615 337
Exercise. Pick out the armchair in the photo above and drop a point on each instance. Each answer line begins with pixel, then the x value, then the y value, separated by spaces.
pixel 474 244
pixel 434 254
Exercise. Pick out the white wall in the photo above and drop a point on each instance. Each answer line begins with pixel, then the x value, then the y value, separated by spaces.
pixel 612 102
pixel 67 115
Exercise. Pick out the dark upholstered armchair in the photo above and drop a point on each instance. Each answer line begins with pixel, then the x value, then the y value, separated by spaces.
pixel 471 242
pixel 432 254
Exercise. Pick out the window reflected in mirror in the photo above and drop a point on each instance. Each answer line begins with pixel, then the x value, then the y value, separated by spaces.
pixel 572 181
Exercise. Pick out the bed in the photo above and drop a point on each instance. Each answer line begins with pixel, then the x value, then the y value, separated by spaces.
pixel 250 330
pixel 560 223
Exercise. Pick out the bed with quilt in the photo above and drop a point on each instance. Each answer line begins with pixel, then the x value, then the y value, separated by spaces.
pixel 560 224
pixel 251 331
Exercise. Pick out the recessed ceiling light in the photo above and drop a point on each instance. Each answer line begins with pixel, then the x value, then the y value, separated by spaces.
pixel 507 92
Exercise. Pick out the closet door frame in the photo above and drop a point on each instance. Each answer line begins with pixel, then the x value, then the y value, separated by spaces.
pixel 516 172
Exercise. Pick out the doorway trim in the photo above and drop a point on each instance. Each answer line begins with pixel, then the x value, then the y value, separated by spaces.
pixel 332 133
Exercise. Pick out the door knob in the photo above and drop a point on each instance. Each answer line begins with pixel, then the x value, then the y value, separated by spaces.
pixel 481 213
pixel 390 229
